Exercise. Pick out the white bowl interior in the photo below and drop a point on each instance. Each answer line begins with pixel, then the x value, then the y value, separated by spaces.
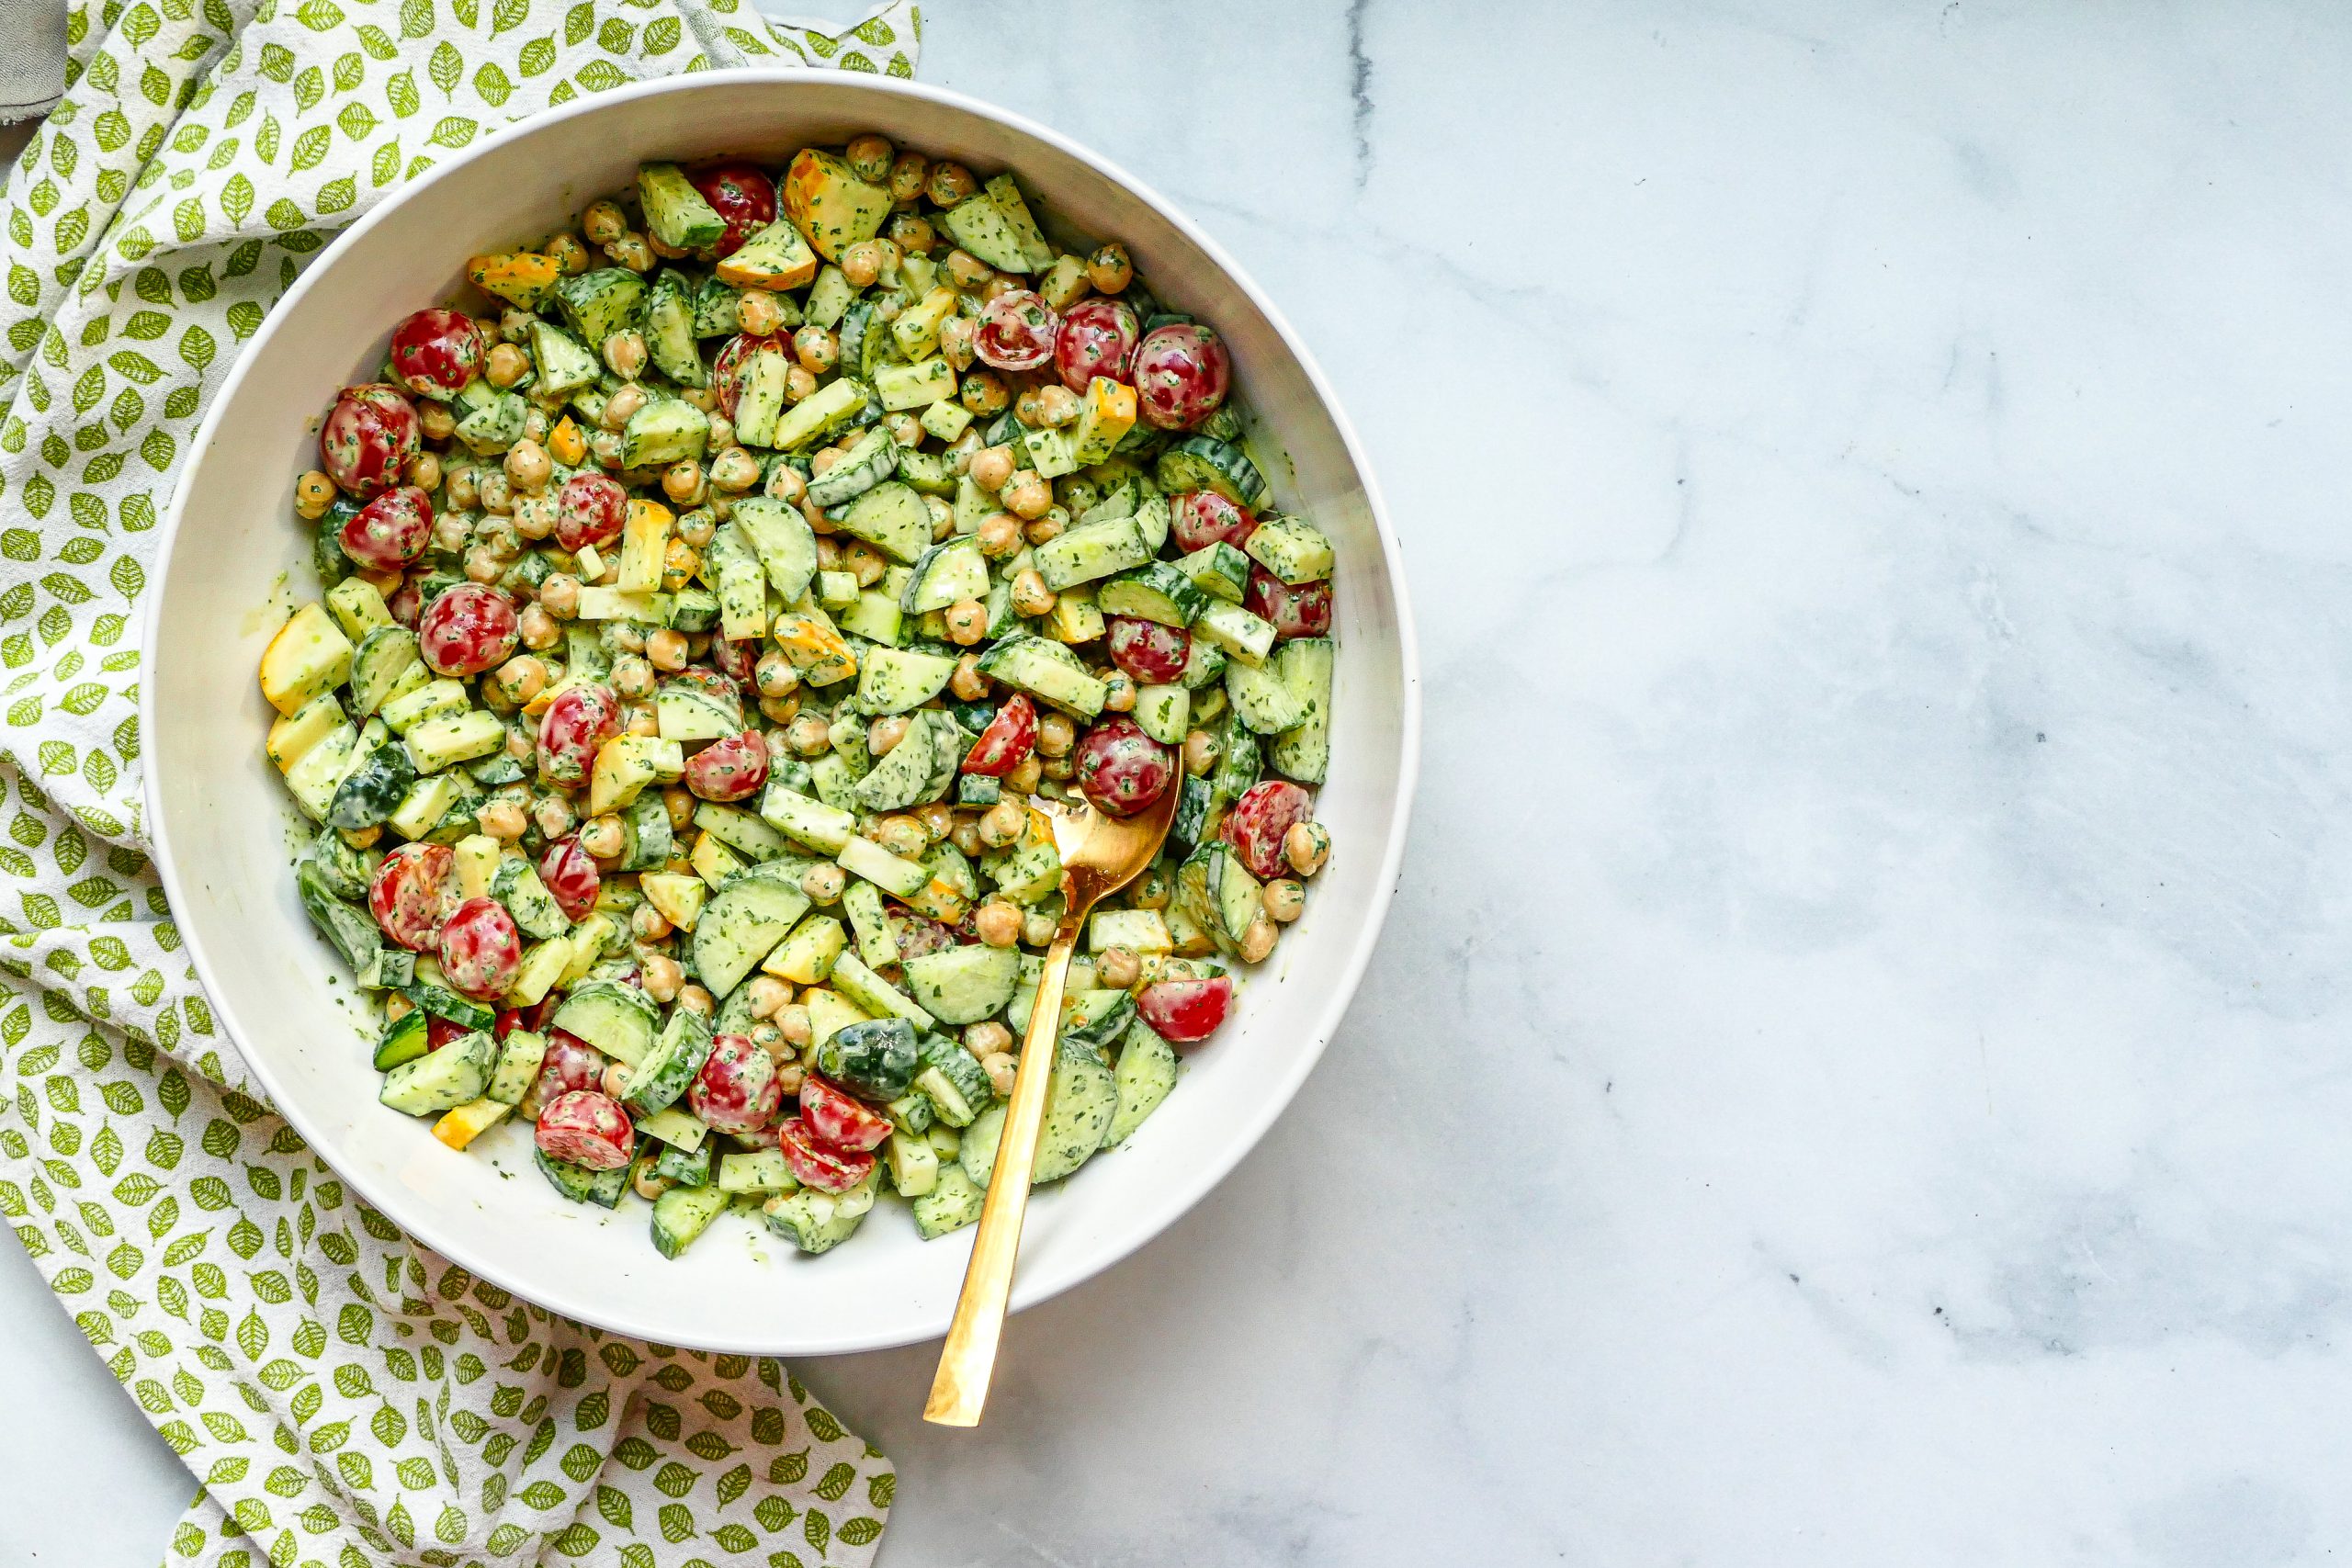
pixel 222 818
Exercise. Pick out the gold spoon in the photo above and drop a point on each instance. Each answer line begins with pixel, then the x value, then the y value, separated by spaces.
pixel 1100 855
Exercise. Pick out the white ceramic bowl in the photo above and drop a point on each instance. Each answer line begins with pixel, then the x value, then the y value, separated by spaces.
pixel 232 546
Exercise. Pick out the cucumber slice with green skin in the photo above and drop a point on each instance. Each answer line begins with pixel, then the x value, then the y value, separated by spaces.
pixel 743 584
pixel 444 1079
pixel 1233 896
pixel 976 225
pixel 675 211
pixel 374 790
pixel 1243 635
pixel 520 1057
pixel 1080 1103
pixel 874 1060
pixel 929 473
pixel 1096 1017
pixel 1261 698
pixel 687 1168
pixel 1304 751
pixel 822 413
pixel 785 543
pixel 678 1128
pixel 947 572
pixel 1158 591
pixel 670 330
pixel 439 743
pixel 407 1039
pixel 646 829
pixel 387 665
pixel 874 458
pixel 435 699
pixel 892 517
pixel 1138 931
pixel 741 830
pixel 600 303
pixel 818 1222
pixel 1291 548
pixel 1164 713
pixel 951 1079
pixel 497 424
pixel 601 1187
pixel 1203 462
pixel 392 968
pixel 910 1112
pixel 1194 801
pixel 1096 550
pixel 666 430
pixel 1219 570
pixel 618 1019
pixel 346 870
pixel 798 817
pixel 1153 517
pixel 877 947
pixel 902 778
pixel 963 984
pixel 742 924
pixel 443 1002
pixel 903 387
pixel 833 781
pixel 353 933
pixel 860 985
pixel 563 365
pixel 954 1202
pixel 1146 1073
pixel 498 768
pixel 1047 671
pixel 757 1171
pixel 766 382
pixel 689 711
pixel 683 1214
pixel 1203 667
pixel 657 1082
pixel 884 869
pixel 896 679
pixel 976 789
pixel 949 865
pixel 716 313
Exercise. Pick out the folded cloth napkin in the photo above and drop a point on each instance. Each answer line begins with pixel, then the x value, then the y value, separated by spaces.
pixel 343 1395
pixel 32 57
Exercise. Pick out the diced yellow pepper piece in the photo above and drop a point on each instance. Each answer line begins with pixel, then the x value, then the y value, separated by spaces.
pixel 625 764
pixel 566 445
pixel 679 898
pixel 828 202
pixel 1103 419
pixel 817 649
pixel 523 277
pixel 468 1121
pixel 643 539
pixel 713 861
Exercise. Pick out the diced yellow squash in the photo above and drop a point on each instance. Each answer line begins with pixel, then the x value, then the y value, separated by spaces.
pixel 291 735
pixel 521 277
pixel 713 861
pixel 642 538
pixel 611 603
pixel 309 655
pixel 1064 282
pixel 592 563
pixel 358 607
pixel 461 1127
pixel 477 856
pixel 1075 617
pixel 542 967
pixel 1103 419
pixel 776 257
pixel 678 897
pixel 917 328
pixel 314 778
pixel 806 957
pixel 625 764
pixel 828 202
pixel 941 901
pixel 829 1012
pixel 428 801
pixel 816 648
pixel 587 943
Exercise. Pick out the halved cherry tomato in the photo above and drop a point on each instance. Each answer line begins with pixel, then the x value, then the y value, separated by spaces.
pixel 737 657
pixel 737 1089
pixel 838 1119
pixel 727 371
pixel 1017 331
pixel 570 1062
pixel 467 629
pixel 1266 811
pixel 1181 373
pixel 407 603
pixel 588 1129
pixel 575 727
pixel 389 531
pixel 1098 337
pixel 813 1164
pixel 1295 609
pixel 1006 743
pixel 571 876
pixel 1152 653
pixel 590 510
pixel 369 439
pixel 481 949
pixel 437 351
pixel 742 195
pixel 439 1031
pixel 1122 770
pixel 1185 1011
pixel 1200 518
pixel 410 893
pixel 728 768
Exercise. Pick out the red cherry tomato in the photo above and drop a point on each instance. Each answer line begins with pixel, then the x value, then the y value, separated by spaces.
pixel 744 198
pixel 410 892
pixel 916 934
pixel 467 629
pixel 1181 373
pixel 1299 610
pixel 389 531
pixel 574 728
pixel 813 1164
pixel 368 439
pixel 570 1064
pixel 437 352
pixel 737 1089
pixel 1006 743
pixel 733 364
pixel 590 510
pixel 509 1020
pixel 1200 518
pixel 1185 1011
pixel 587 1129
pixel 440 1032
pixel 1017 331
pixel 481 949
pixel 737 659
pixel 1097 338
pixel 571 876
pixel 729 769
pixel 1255 826
pixel 1122 770
pixel 838 1119
pixel 1150 653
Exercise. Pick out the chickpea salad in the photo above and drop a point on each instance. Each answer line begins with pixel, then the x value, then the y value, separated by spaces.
pixel 705 598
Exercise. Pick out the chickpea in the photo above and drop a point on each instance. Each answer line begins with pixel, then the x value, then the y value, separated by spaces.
pixel 313 493
pixel 605 447
pixel 630 251
pixel 735 470
pixel 992 466
pixel 870 157
pixel 521 741
pixel 722 433
pixel 780 710
pixel 766 995
pixel 1026 494
pixel 1030 594
pixel 632 677
pixel 967 622
pixel 885 733
pixel 693 998
pixel 1024 779
pixel 809 735
pixel 397 1006
pixel 1117 968
pixel 517 681
pixel 552 816
pixel 621 405
pixel 625 354
pixel 559 595
pixel 908 171
pixel 436 419
pixel 567 253
pixel 1200 752
pixel 773 675
pixel 906 429
pixel 425 470
pixel 1056 406
pixel 903 836
pixel 1284 898
pixel 1307 846
pixel 624 637
pixel 1119 693
pixel 861 264
pixel 647 1185
pixel 615 1080
pixel 482 565
pixel 1108 269
pixel 967 682
pixel 603 222
pixel 936 819
pixel 666 649
pixel 661 975
pixel 506 366
pixel 816 348
pixel 1152 891
pixel 662 247
pixel 983 392
pixel 798 382
pixel 501 820
pixel 846 732
pixel 648 923
pixel 966 837
pixel 999 535
pixel 460 490
pixel 792 1021
pixel 682 482
pixel 759 312
pixel 697 528
pixel 942 519
pixel 1002 825
pixel 823 883
pixel 785 484
pixel 1045 529
pixel 678 804
pixel 986 1040
pixel 603 837
pixel 949 182
pixel 528 465
pixel 535 425
pixel 913 234
pixel 1257 941
pixel 1059 768
pixel 535 515
pixel 1036 929
pixel 1027 410
pixel 958 336
pixel 997 924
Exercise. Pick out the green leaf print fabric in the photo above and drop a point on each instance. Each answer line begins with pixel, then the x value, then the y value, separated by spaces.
pixel 343 1396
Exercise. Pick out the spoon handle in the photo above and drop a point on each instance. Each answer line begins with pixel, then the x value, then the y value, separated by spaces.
pixel 961 1385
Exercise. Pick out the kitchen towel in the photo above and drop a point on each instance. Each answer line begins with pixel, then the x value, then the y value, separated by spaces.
pixel 343 1396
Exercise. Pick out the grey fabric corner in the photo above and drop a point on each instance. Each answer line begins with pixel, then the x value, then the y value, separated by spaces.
pixel 32 57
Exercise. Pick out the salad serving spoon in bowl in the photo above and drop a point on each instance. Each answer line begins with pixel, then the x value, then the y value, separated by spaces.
pixel 1101 855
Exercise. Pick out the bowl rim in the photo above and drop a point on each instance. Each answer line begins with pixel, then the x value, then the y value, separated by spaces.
pixel 1149 1221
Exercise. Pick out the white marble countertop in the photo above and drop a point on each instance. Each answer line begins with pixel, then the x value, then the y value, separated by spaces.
pixel 1853 1075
